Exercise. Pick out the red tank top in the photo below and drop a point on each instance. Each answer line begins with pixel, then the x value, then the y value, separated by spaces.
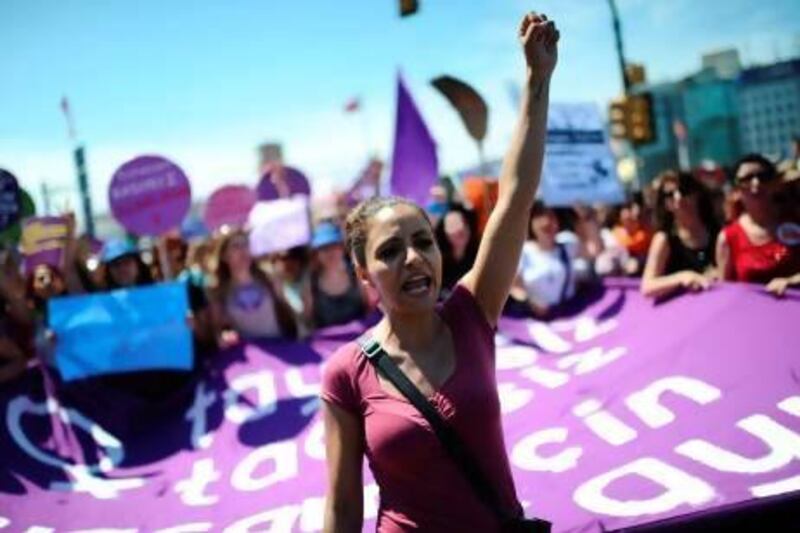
pixel 760 263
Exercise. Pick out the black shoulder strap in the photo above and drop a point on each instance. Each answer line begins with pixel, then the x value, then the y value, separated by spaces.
pixel 376 355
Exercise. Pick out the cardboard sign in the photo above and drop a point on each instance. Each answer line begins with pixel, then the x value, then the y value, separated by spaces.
pixel 122 331
pixel 43 241
pixel 149 195
pixel 278 225
pixel 579 167
pixel 9 199
pixel 229 205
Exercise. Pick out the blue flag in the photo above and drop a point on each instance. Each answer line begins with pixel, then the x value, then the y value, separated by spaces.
pixel 125 330
pixel 415 167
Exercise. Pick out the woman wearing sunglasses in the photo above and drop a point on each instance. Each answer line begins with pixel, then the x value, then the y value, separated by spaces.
pixel 681 253
pixel 759 247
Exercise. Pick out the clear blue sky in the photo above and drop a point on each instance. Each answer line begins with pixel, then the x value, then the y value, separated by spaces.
pixel 203 82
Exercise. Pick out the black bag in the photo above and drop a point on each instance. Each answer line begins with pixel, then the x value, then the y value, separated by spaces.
pixel 378 357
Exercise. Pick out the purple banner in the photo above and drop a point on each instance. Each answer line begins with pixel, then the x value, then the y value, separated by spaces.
pixel 229 205
pixel 281 181
pixel 43 240
pixel 626 413
pixel 415 166
pixel 149 195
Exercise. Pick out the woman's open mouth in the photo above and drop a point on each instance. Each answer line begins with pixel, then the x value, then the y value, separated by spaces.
pixel 417 284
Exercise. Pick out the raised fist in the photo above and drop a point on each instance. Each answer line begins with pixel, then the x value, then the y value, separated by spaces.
pixel 539 38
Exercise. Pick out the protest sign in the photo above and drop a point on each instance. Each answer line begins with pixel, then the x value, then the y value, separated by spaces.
pixel 280 181
pixel 13 233
pixel 229 206
pixel 9 199
pixel 623 414
pixel 149 195
pixel 579 167
pixel 43 241
pixel 122 331
pixel 278 225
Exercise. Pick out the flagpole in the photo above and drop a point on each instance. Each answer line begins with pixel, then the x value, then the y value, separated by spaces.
pixel 79 156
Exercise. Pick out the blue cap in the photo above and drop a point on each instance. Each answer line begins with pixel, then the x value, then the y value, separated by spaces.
pixel 437 209
pixel 326 234
pixel 115 249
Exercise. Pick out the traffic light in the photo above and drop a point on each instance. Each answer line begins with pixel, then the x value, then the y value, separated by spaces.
pixel 631 118
pixel 640 118
pixel 618 118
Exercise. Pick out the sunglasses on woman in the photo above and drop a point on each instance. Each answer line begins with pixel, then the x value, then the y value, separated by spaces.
pixel 763 176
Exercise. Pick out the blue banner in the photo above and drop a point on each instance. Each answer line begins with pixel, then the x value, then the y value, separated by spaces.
pixel 121 331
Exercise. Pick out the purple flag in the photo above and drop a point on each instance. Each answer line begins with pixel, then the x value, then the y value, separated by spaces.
pixel 414 163
pixel 622 414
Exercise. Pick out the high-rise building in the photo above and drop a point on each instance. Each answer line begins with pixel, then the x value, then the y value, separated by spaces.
pixel 769 107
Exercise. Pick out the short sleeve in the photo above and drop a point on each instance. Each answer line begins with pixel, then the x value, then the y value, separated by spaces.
pixel 338 379
pixel 462 309
pixel 570 242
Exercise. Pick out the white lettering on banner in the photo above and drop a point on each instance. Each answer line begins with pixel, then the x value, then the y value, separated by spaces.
pixel 587 328
pixel 679 488
pixel 300 389
pixel 513 357
pixel 783 444
pixel 605 425
pixel 22 405
pixel 100 488
pixel 312 515
pixel 513 398
pixel 193 490
pixel 315 441
pixel 201 438
pixel 551 379
pixel 790 405
pixel 549 340
pixel 645 403
pixel 194 527
pixel 775 488
pixel 525 453
pixel 266 404
pixel 39 529
pixel 278 520
pixel 283 455
pixel 4 522
pixel 590 360
pixel 371 501
pixel 104 530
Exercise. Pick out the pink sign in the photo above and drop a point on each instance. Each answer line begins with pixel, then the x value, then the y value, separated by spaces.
pixel 282 182
pixel 149 195
pixel 229 205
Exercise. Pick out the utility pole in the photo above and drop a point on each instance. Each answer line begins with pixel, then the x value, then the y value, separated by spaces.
pixel 620 49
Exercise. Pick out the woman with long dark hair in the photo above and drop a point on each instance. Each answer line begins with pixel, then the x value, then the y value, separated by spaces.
pixel 681 254
pixel 444 351
pixel 458 239
pixel 244 300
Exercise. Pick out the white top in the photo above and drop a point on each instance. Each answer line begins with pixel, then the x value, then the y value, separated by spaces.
pixel 543 273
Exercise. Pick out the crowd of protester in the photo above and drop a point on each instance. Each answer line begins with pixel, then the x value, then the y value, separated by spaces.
pixel 681 233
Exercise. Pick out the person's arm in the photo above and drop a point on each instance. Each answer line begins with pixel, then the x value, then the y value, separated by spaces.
pixel 344 504
pixel 655 283
pixel 491 277
pixel 723 257
pixel 69 258
pixel 779 286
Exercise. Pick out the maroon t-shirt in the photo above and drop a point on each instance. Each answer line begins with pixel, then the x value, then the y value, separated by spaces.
pixel 420 485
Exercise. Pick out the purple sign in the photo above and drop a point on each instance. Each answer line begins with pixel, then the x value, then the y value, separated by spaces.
pixel 624 414
pixel 281 181
pixel 9 199
pixel 149 195
pixel 43 241
pixel 229 205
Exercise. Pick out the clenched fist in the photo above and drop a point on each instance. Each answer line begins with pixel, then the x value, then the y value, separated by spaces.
pixel 539 38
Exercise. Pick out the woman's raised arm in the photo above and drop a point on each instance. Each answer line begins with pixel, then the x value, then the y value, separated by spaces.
pixel 498 256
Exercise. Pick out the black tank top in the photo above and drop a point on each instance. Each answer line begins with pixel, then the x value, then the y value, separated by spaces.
pixel 340 309
pixel 681 257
